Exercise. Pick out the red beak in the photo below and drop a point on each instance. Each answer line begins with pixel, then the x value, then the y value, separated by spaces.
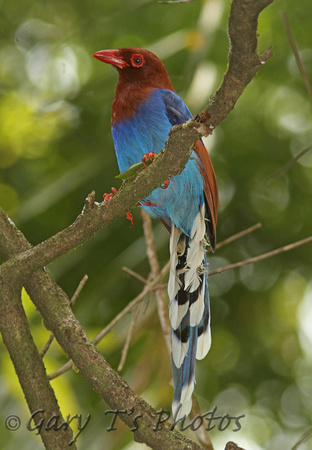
pixel 111 57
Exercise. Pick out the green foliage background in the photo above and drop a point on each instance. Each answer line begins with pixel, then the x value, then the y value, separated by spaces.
pixel 56 146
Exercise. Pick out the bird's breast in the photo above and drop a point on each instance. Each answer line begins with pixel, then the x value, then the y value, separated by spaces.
pixel 127 102
pixel 144 130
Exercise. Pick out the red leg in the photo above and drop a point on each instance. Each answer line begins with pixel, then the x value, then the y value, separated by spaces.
pixel 106 198
pixel 130 217
pixel 165 184
pixel 148 156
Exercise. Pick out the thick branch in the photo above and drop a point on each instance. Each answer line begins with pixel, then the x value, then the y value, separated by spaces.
pixel 244 60
pixel 29 366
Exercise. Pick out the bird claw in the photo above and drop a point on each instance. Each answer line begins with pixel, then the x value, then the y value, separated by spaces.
pixel 148 156
pixel 107 197
pixel 165 184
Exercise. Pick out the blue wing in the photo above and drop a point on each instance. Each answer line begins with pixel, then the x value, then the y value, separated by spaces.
pixel 176 109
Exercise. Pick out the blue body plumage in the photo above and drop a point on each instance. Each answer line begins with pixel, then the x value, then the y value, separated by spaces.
pixel 144 110
pixel 147 130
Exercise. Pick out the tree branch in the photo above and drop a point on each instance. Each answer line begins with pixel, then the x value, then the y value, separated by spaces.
pixel 299 62
pixel 128 339
pixel 244 61
pixel 72 301
pixel 154 265
pixel 254 259
pixel 29 366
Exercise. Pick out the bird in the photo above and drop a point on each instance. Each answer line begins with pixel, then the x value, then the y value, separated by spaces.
pixel 144 110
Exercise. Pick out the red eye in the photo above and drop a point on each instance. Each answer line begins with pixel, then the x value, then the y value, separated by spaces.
pixel 137 60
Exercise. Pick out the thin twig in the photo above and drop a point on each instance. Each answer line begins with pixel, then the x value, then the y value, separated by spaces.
pixel 236 236
pixel 154 265
pixel 47 345
pixel 159 286
pixel 132 304
pixel 305 437
pixel 134 274
pixel 288 165
pixel 128 340
pixel 78 290
pixel 297 56
pixel 226 241
pixel 286 248
pixel 72 301
pixel 169 2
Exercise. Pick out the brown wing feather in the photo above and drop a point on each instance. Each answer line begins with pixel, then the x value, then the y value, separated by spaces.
pixel 210 190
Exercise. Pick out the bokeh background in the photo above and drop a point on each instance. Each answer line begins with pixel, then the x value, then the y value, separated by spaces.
pixel 56 146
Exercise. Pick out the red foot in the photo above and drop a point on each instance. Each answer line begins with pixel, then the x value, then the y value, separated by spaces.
pixel 106 197
pixel 165 184
pixel 148 156
pixel 130 217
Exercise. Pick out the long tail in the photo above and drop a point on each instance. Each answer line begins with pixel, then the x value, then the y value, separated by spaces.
pixel 189 310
